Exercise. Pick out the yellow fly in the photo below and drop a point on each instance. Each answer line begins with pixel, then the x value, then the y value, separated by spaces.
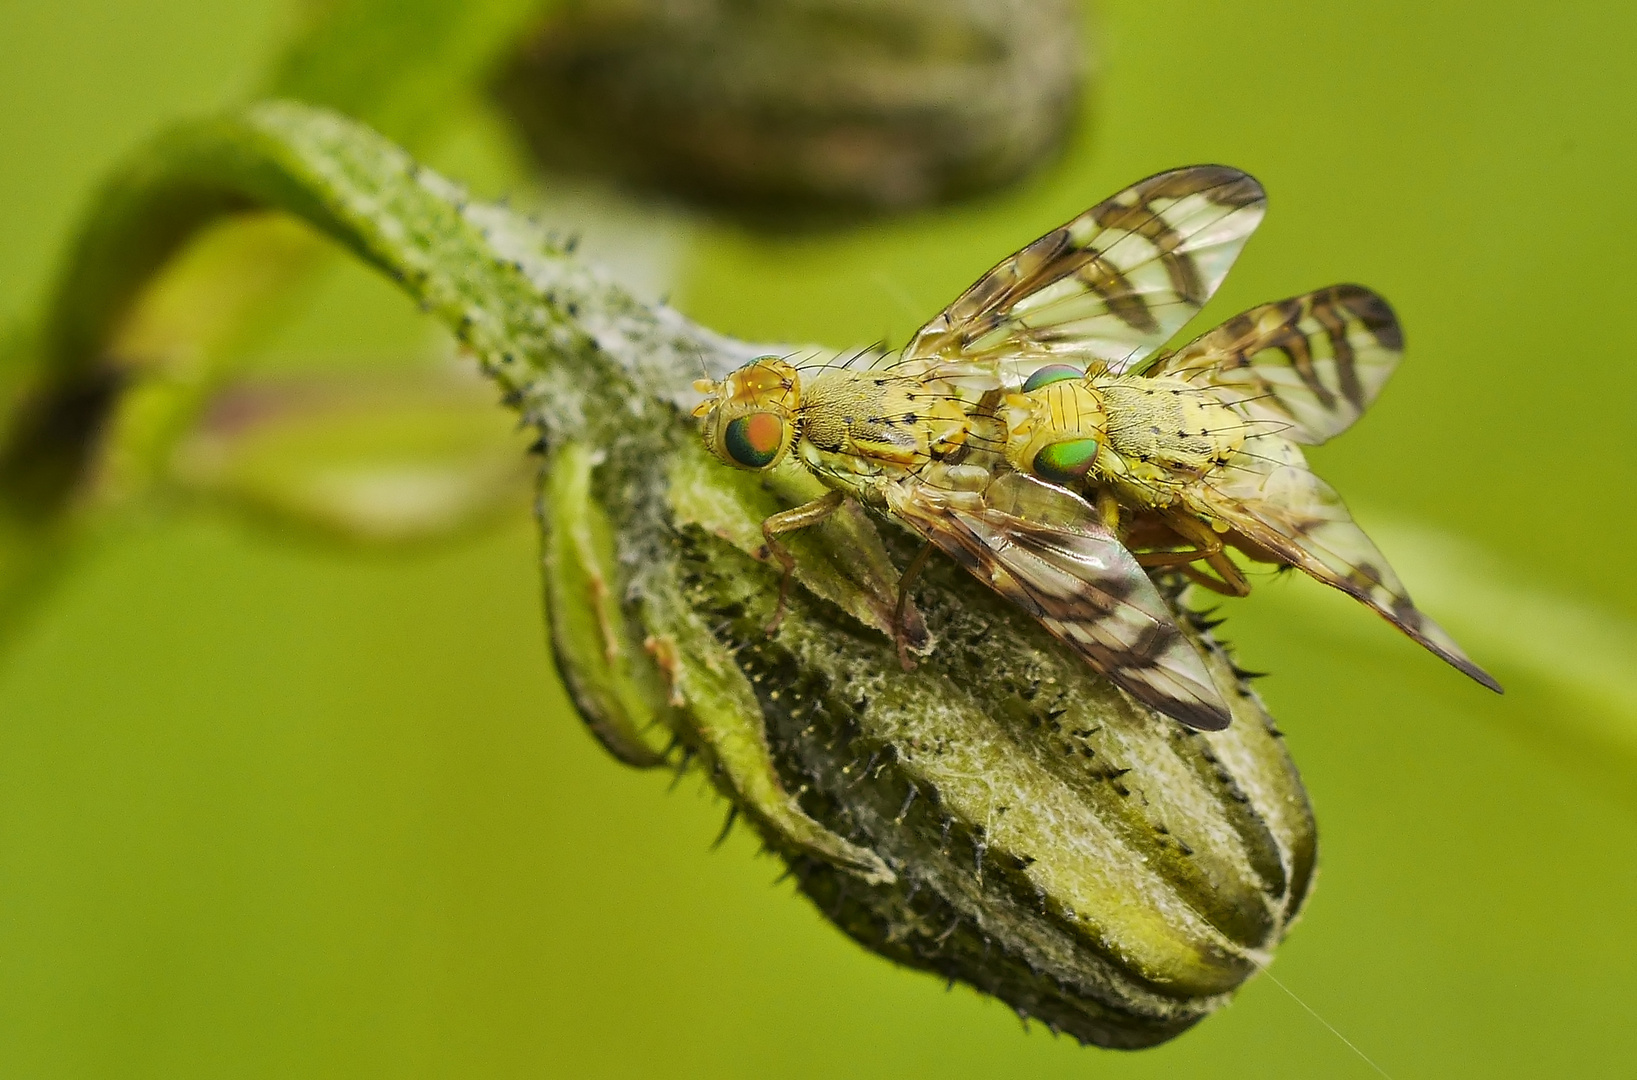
pixel 1190 451
pixel 898 436
pixel 894 436
pixel 1180 453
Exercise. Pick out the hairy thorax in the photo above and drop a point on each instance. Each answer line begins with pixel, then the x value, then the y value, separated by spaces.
pixel 1164 434
pixel 874 424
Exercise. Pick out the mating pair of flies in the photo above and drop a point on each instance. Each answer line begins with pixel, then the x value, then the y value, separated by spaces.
pixel 1038 433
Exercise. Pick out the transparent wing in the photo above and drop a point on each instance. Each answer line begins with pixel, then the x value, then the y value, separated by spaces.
pixel 1112 285
pixel 1308 366
pixel 1046 551
pixel 1274 500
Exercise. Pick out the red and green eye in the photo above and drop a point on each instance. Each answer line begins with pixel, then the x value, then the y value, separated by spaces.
pixel 1066 463
pixel 754 441
pixel 1051 373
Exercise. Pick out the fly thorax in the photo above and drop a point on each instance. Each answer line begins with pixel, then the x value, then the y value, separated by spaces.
pixel 1169 426
pixel 876 422
pixel 1056 430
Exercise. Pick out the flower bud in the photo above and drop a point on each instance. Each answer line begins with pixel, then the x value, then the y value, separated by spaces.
pixel 1001 815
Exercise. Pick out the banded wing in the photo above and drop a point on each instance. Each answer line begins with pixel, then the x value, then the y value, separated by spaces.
pixel 1112 285
pixel 1308 366
pixel 1274 500
pixel 1045 550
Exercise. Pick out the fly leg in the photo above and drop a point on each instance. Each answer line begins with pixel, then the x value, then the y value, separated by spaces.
pixel 1108 508
pixel 1208 547
pixel 799 517
pixel 899 634
pixel 1204 580
pixel 1229 577
pixel 1229 580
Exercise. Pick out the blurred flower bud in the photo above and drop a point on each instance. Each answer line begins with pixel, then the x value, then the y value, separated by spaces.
pixel 790 107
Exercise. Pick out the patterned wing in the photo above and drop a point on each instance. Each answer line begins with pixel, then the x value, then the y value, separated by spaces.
pixel 1045 550
pixel 1112 285
pixel 1308 366
pixel 1273 499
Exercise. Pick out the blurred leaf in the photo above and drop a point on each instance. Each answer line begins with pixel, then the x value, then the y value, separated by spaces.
pixel 1567 644
pixel 1574 664
pixel 364 461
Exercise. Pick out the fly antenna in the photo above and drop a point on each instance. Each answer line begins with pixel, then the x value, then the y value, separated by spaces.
pixel 704 368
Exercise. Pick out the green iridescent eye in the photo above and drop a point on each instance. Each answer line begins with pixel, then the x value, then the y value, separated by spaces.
pixel 1051 373
pixel 1066 463
pixel 754 441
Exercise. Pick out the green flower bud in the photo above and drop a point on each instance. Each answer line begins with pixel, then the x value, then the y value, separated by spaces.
pixel 1098 867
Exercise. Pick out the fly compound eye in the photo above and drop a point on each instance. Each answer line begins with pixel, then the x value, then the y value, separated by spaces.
pixel 754 441
pixel 1066 463
pixel 1051 373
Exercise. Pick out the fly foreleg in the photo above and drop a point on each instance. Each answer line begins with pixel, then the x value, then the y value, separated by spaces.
pixel 899 634
pixel 786 521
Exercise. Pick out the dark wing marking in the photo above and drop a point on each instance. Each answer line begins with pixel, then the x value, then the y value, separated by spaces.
pixel 1274 500
pixel 1309 366
pixel 1046 551
pixel 1112 285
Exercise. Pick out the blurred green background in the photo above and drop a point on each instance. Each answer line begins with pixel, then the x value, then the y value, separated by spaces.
pixel 272 810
